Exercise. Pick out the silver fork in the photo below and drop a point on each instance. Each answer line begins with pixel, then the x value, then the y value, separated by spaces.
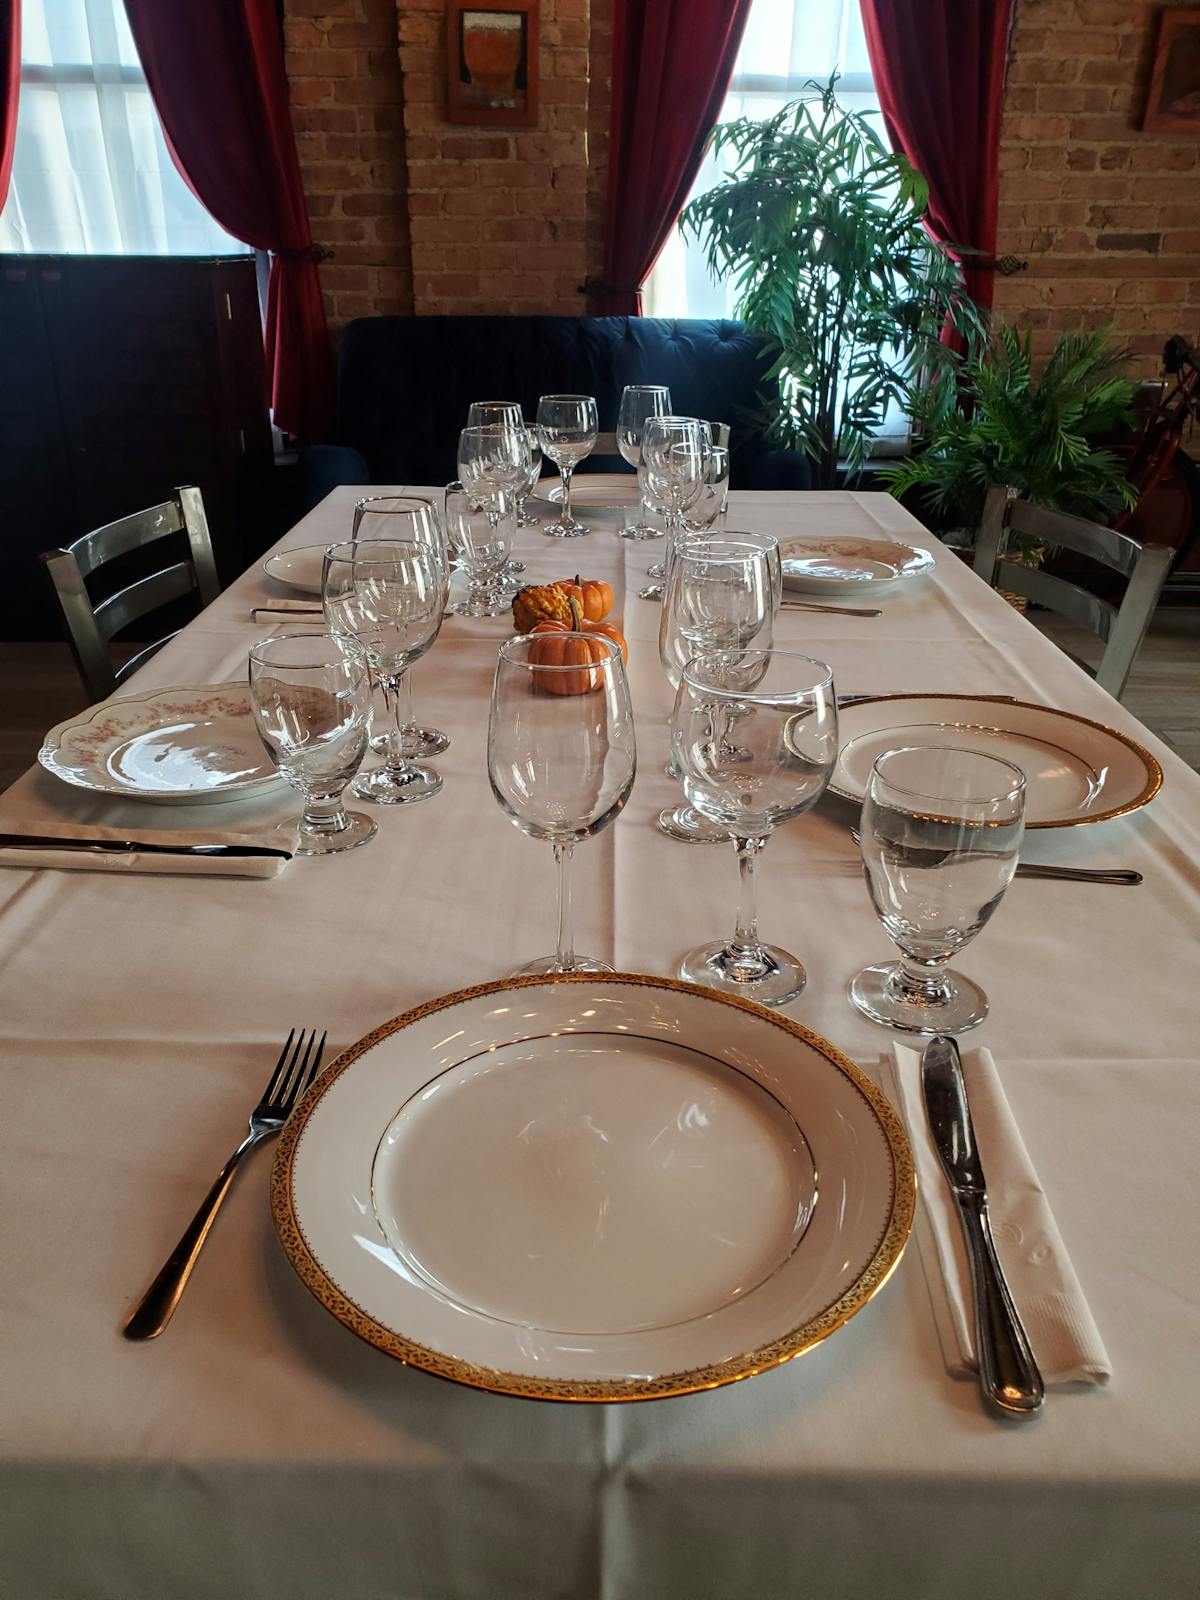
pixel 1035 869
pixel 294 1071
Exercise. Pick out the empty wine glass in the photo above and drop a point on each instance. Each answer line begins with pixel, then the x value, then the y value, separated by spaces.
pixel 493 465
pixel 387 596
pixel 404 516
pixel 481 544
pixel 662 488
pixel 495 414
pixel 714 491
pixel 311 699
pixel 567 426
pixel 941 833
pixel 525 518
pixel 639 401
pixel 755 737
pixel 561 753
pixel 722 594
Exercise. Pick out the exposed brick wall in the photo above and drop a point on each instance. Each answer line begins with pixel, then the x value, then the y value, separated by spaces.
pixel 499 218
pixel 1107 216
pixel 347 109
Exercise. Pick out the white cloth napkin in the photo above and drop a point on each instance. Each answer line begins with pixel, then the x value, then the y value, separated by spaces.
pixel 276 609
pixel 120 861
pixel 1045 1290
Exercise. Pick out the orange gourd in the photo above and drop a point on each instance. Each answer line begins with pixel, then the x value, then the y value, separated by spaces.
pixel 545 602
pixel 559 645
pixel 595 598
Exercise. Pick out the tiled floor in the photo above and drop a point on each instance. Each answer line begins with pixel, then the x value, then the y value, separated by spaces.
pixel 39 686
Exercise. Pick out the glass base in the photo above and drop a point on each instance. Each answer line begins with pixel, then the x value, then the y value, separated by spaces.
pixel 772 979
pixel 658 570
pixel 652 591
pixel 379 787
pixel 642 530
pixel 485 605
pixel 565 530
pixel 514 567
pixel 358 830
pixel 687 825
pixel 882 993
pixel 549 964
pixel 419 742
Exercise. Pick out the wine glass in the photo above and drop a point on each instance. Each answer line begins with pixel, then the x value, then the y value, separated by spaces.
pixel 493 465
pixel 404 516
pixel 561 753
pixel 714 491
pixel 311 698
pixel 481 545
pixel 567 425
pixel 755 738
pixel 721 595
pixel 941 833
pixel 639 401
pixel 661 487
pixel 387 596
pixel 508 414
pixel 526 519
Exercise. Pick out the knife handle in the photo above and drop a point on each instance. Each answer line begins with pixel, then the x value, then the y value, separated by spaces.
pixel 1008 1373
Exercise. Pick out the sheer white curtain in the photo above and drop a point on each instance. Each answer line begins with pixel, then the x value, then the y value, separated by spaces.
pixel 91 172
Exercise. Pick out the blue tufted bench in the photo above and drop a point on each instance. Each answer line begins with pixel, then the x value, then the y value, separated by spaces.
pixel 404 385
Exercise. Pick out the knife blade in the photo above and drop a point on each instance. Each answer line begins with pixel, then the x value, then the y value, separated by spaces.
pixel 36 841
pixel 1008 1373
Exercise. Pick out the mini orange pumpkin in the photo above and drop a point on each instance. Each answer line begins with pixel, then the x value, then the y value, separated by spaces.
pixel 558 645
pixel 595 598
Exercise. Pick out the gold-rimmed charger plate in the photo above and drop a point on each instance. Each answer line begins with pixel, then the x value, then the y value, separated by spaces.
pixel 1076 771
pixel 593 1188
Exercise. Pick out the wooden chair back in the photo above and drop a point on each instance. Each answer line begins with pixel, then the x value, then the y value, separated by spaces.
pixel 1122 627
pixel 90 626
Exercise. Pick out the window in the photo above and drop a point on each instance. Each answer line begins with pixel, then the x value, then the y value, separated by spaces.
pixel 787 43
pixel 91 170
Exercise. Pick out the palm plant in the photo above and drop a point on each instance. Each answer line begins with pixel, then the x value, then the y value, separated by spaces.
pixel 820 226
pixel 991 420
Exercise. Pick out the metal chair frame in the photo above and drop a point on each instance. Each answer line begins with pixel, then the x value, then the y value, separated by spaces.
pixel 1145 566
pixel 90 627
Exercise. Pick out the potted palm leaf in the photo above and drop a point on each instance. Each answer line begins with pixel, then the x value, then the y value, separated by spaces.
pixel 819 225
pixel 993 420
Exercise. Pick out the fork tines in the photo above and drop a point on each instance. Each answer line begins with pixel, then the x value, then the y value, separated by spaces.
pixel 295 1070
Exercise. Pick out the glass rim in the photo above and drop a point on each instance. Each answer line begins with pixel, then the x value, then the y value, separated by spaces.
pixel 375 502
pixel 590 397
pixel 769 698
pixel 259 649
pixel 613 648
pixel 361 548
pixel 646 388
pixel 949 749
pixel 513 405
pixel 696 547
pixel 497 429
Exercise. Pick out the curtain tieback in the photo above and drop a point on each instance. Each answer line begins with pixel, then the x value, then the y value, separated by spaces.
pixel 308 252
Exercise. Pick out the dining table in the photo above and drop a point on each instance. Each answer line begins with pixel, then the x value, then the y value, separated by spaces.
pixel 258 1448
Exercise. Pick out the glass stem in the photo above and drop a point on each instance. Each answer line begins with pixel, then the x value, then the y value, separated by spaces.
pixel 565 473
pixel 394 759
pixel 923 983
pixel 565 959
pixel 323 814
pixel 745 937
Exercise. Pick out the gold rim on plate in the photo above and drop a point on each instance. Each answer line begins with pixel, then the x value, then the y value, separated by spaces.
pixel 795 1342
pixel 1154 773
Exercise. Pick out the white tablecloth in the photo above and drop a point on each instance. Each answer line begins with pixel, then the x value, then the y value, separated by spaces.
pixel 258 1449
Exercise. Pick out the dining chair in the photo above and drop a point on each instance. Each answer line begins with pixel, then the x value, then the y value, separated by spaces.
pixel 1122 627
pixel 90 625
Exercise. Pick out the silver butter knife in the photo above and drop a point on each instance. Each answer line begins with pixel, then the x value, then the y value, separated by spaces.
pixel 1008 1373
pixel 35 841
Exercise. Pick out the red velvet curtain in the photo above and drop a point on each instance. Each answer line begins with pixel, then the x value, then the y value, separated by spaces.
pixel 938 67
pixel 672 61
pixel 10 84
pixel 215 69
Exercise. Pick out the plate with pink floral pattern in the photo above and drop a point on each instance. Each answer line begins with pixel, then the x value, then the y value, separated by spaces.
pixel 183 746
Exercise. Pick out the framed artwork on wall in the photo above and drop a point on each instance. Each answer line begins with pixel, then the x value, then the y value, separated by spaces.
pixel 492 63
pixel 1173 105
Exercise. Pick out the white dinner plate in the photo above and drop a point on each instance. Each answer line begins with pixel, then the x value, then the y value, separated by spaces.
pixel 300 568
pixel 848 564
pixel 595 1187
pixel 183 746
pixel 596 497
pixel 1075 770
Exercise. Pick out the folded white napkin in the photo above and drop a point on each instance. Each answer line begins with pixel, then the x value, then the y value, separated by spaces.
pixel 1045 1290
pixel 274 610
pixel 120 861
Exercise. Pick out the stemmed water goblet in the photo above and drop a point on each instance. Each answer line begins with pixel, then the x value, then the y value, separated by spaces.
pixel 404 516
pixel 714 492
pixel 481 544
pixel 722 594
pixel 387 597
pixel 638 402
pixel 567 425
pixel 755 737
pixel 941 833
pixel 561 753
pixel 311 698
